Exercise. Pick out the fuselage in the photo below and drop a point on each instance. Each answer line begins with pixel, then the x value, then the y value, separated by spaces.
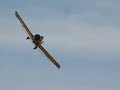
pixel 37 39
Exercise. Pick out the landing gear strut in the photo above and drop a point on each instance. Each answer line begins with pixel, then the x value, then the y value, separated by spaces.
pixel 41 42
pixel 37 44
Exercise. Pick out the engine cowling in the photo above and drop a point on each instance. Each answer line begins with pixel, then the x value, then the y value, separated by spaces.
pixel 38 37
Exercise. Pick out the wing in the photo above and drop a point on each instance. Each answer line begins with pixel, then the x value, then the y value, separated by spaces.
pixel 24 25
pixel 49 56
pixel 40 47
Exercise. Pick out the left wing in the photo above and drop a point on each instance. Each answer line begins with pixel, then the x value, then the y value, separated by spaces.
pixel 24 25
pixel 49 56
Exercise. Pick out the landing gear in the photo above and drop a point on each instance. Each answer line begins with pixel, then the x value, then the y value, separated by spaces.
pixel 27 38
pixel 37 44
pixel 35 47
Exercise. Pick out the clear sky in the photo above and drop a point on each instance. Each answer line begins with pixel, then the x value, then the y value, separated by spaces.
pixel 82 35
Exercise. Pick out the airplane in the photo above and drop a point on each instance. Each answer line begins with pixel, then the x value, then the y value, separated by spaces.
pixel 37 41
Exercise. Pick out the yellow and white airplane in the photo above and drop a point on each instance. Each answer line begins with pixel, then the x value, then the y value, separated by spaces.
pixel 37 40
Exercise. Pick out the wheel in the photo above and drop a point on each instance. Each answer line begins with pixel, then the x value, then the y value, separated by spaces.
pixel 35 48
pixel 27 38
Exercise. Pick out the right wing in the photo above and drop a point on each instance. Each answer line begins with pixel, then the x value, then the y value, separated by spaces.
pixel 49 56
pixel 24 25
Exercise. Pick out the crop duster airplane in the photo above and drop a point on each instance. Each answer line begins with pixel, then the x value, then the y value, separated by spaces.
pixel 37 40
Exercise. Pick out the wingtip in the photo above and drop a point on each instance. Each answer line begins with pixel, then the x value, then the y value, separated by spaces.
pixel 58 66
pixel 15 12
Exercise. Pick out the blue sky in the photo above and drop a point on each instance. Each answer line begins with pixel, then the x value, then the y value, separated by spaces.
pixel 82 35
